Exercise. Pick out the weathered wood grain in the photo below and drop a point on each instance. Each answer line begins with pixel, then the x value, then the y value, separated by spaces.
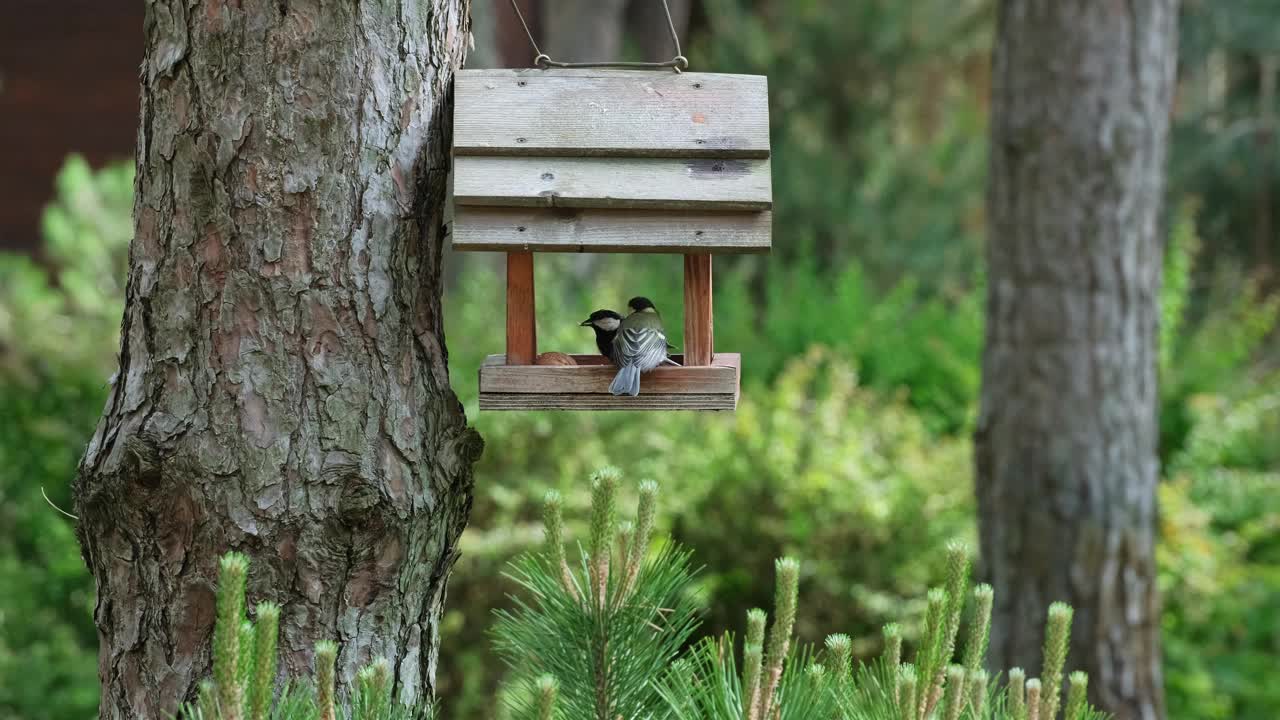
pixel 590 377
pixel 585 386
pixel 621 183
pixel 601 230
pixel 522 328
pixel 619 113
pixel 517 401
pixel 699 333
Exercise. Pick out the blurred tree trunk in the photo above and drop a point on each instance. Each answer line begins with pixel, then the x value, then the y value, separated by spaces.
pixel 583 30
pixel 1067 432
pixel 283 388
pixel 594 30
pixel 652 33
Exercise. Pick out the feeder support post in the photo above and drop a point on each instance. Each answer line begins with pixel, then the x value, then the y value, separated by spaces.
pixel 522 330
pixel 698 330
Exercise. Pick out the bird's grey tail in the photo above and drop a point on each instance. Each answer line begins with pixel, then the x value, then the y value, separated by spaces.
pixel 626 382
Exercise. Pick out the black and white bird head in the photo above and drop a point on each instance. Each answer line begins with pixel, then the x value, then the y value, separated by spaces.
pixel 641 304
pixel 606 320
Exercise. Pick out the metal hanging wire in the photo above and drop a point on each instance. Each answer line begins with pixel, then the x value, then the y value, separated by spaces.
pixel 678 63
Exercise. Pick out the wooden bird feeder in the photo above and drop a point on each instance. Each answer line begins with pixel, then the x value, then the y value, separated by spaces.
pixel 612 161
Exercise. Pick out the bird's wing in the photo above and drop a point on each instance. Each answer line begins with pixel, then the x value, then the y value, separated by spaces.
pixel 645 347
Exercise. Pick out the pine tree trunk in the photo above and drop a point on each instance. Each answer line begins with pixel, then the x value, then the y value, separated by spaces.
pixel 1067 432
pixel 283 388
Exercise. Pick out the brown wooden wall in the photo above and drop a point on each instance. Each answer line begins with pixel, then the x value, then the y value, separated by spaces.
pixel 68 83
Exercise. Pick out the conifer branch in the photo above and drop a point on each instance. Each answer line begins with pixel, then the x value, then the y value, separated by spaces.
pixel 979 630
pixel 262 687
pixel 1033 700
pixel 928 659
pixel 953 700
pixel 841 648
pixel 907 692
pixel 893 653
pixel 547 688
pixel 553 541
pixel 233 574
pixel 779 643
pixel 752 662
pixel 1057 637
pixel 604 487
pixel 645 515
pixel 208 700
pixel 1016 700
pixel 977 687
pixel 326 657
pixel 244 666
pixel 1077 704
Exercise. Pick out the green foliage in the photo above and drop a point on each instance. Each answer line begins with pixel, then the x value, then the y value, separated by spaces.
pixel 603 630
pixel 597 644
pixel 1215 362
pixel 1218 555
pixel 1219 560
pixel 243 686
pixel 58 331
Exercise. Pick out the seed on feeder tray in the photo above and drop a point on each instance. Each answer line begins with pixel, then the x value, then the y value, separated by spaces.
pixel 554 358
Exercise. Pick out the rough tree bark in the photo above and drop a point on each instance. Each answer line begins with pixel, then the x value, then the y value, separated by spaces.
pixel 1066 437
pixel 283 388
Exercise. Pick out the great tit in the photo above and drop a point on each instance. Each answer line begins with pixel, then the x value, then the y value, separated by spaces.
pixel 639 346
pixel 605 323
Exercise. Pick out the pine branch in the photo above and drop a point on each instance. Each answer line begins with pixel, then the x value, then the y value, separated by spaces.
pixel 779 644
pixel 1016 702
pixel 953 700
pixel 893 652
pixel 264 665
pixel 1056 640
pixel 929 657
pixel 979 630
pixel 604 490
pixel 547 689
pixel 752 662
pixel 977 687
pixel 605 651
pixel 1033 700
pixel 645 515
pixel 840 647
pixel 553 530
pixel 907 692
pixel 234 571
pixel 1077 703
pixel 326 657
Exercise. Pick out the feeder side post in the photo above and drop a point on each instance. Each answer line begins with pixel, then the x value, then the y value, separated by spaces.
pixel 522 330
pixel 698 329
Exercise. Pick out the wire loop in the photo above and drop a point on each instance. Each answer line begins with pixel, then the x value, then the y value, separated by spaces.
pixel 543 61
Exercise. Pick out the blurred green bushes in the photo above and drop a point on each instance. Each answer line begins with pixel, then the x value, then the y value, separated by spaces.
pixel 58 342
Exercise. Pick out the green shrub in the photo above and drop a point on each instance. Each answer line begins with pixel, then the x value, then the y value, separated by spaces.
pixel 58 335
pixel 605 642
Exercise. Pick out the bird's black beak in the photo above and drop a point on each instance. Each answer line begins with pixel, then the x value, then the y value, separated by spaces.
pixel 585 323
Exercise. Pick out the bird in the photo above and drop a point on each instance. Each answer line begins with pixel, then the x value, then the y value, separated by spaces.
pixel 639 345
pixel 605 323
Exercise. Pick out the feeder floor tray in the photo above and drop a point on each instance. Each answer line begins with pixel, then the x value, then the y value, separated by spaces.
pixel 585 386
